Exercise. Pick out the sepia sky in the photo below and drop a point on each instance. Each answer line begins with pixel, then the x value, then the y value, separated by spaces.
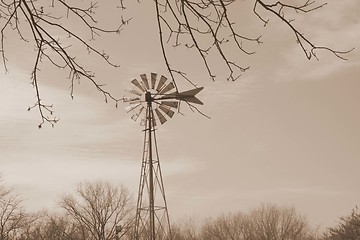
pixel 286 132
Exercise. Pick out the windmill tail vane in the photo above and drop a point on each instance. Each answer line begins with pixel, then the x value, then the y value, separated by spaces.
pixel 187 96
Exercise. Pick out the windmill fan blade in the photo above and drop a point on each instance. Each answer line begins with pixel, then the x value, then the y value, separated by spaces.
pixel 145 81
pixel 135 92
pixel 136 83
pixel 173 104
pixel 132 107
pixel 160 116
pixel 153 80
pixel 161 83
pixel 167 111
pixel 136 115
pixel 143 122
pixel 167 88
pixel 131 99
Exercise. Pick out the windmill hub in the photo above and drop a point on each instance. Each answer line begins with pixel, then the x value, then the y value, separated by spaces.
pixel 148 97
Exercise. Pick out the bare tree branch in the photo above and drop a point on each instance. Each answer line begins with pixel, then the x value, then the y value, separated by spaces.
pixel 208 28
pixel 42 22
pixel 278 9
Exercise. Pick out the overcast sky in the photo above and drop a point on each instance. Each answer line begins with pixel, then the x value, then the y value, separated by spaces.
pixel 286 132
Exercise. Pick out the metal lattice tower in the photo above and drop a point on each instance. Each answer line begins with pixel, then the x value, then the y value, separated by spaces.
pixel 152 218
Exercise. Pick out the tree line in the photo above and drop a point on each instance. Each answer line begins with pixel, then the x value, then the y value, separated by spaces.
pixel 102 211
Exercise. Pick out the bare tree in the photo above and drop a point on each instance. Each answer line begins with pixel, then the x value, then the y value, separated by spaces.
pixel 347 229
pixel 12 215
pixel 99 210
pixel 267 222
pixel 188 229
pixel 48 226
pixel 272 222
pixel 210 28
pixel 230 226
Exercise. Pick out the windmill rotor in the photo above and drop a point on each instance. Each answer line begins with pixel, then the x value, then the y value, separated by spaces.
pixel 159 92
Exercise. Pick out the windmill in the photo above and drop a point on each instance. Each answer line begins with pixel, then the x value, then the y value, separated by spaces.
pixel 154 100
